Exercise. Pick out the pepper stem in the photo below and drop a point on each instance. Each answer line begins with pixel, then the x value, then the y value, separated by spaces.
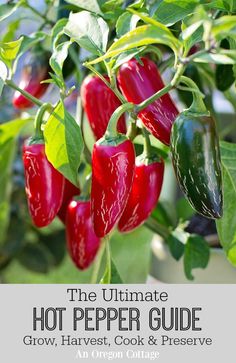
pixel 39 119
pixel 132 129
pixel 87 186
pixel 112 125
pixel 27 95
pixel 97 263
pixel 108 254
pixel 147 146
pixel 197 105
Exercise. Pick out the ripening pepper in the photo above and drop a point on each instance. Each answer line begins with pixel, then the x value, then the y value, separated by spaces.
pixel 82 242
pixel 35 70
pixel 140 81
pixel 99 103
pixel 196 160
pixel 145 192
pixel 70 191
pixel 44 185
pixel 112 175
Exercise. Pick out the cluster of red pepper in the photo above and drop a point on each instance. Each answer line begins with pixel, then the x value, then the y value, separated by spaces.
pixel 125 188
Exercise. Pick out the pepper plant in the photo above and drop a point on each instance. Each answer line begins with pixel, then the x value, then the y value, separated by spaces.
pixel 144 75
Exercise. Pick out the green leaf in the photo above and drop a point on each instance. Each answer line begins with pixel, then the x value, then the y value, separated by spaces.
pixel 58 31
pixel 7 153
pixel 8 133
pixel 224 26
pixel 176 242
pixel 192 34
pixel 141 36
pixel 126 56
pixel 125 23
pixel 58 57
pixel 223 56
pixel 11 129
pixel 3 75
pixel 184 209
pixel 8 9
pixel 15 240
pixel 224 76
pixel 63 143
pixel 55 80
pixel 196 254
pixel 228 5
pixel 90 5
pixel 165 214
pixel 55 244
pixel 35 258
pixel 170 12
pixel 11 31
pixel 226 226
pixel 28 41
pixel 131 255
pixel 89 31
pixel 9 51
pixel 111 276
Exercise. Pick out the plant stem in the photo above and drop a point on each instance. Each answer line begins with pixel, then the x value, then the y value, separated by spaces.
pixel 108 84
pixel 153 98
pixel 38 120
pixel 198 105
pixel 128 107
pixel 108 254
pixel 158 228
pixel 163 91
pixel 36 12
pixel 87 152
pixel 147 147
pixel 153 49
pixel 112 125
pixel 24 93
pixel 97 263
pixel 132 130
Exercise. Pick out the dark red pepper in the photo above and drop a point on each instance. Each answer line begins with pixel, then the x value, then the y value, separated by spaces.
pixel 112 175
pixel 99 103
pixel 144 195
pixel 35 70
pixel 44 185
pixel 140 81
pixel 82 242
pixel 70 191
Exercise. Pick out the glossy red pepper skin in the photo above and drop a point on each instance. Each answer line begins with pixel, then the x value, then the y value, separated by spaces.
pixel 138 82
pixel 112 177
pixel 44 185
pixel 34 71
pixel 144 195
pixel 70 191
pixel 82 242
pixel 99 103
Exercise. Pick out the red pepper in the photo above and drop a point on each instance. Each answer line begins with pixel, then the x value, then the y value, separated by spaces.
pixel 34 71
pixel 82 242
pixel 70 191
pixel 145 192
pixel 44 185
pixel 138 82
pixel 99 103
pixel 112 175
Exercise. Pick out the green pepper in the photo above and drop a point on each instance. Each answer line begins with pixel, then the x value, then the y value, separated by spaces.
pixel 196 160
pixel 193 73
